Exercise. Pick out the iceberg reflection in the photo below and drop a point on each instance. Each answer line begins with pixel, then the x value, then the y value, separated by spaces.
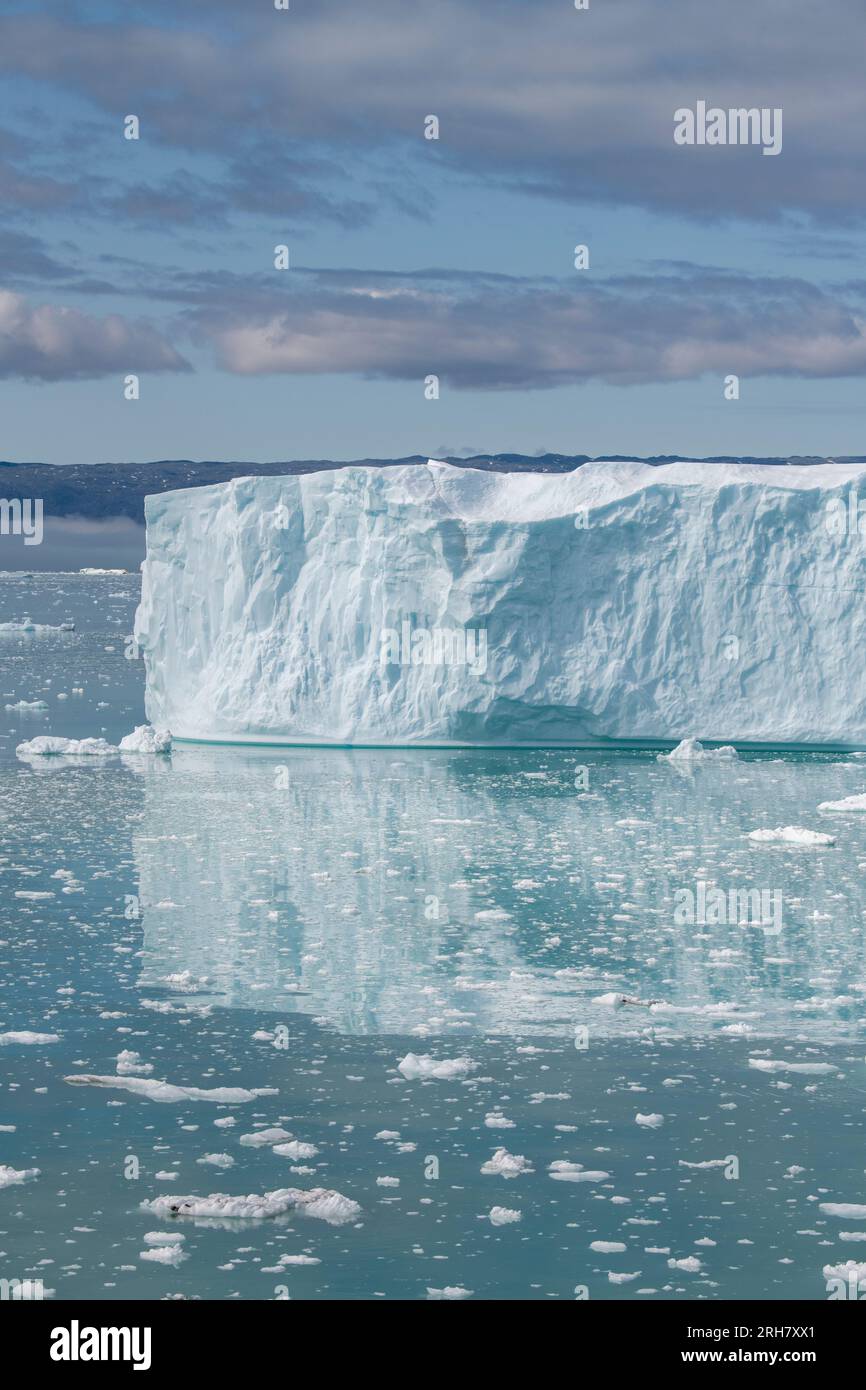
pixel 450 891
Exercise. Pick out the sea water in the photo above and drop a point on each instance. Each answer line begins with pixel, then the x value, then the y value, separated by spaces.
pixel 298 923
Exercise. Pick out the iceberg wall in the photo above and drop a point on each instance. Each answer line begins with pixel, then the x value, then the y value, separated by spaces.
pixel 432 604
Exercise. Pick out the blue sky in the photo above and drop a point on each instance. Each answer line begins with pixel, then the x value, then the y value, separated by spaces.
pixel 412 257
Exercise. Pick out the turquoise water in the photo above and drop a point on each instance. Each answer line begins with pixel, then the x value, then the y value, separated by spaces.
pixel 297 921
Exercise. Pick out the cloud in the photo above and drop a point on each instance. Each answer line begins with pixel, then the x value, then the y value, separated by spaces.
pixel 51 342
pixel 575 105
pixel 504 332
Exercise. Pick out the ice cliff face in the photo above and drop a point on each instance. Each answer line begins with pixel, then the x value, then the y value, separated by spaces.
pixel 434 604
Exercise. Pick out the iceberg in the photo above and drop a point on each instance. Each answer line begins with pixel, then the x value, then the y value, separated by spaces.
pixel 447 606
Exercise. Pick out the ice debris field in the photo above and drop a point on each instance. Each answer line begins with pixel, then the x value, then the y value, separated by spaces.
pixel 431 1023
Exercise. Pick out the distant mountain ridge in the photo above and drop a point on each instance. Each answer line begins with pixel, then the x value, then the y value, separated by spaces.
pixel 97 491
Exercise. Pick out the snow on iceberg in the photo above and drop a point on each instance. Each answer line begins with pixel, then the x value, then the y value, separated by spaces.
pixel 434 604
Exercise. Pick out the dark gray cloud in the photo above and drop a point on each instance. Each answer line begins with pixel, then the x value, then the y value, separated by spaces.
pixel 573 104
pixel 51 342
pixel 494 332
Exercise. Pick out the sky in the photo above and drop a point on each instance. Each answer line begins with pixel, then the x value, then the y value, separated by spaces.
pixel 411 258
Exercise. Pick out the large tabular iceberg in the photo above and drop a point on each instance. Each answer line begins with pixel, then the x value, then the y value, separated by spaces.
pixel 443 605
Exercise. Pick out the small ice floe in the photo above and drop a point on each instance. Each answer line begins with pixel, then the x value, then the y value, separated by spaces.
pixel 496 1120
pixel 53 746
pixel 167 1093
pixel 27 706
pixel 295 1150
pixel 614 1278
pixel 707 1163
pixel 451 1291
pixel 503 1216
pixel 848 803
pixel 387 1182
pixel 261 1138
pixel 802 1068
pixel 849 1271
pixel 608 1247
pixel 792 835
pixel 561 1170
pixel 854 1211
pixel 90 569
pixel 217 1160
pixel 621 1001
pixel 28 1039
pixel 146 739
pixel 690 751
pixel 649 1121
pixel 691 1264
pixel 292 1260
pixel 11 1177
pixel 39 629
pixel 427 1068
pixel 164 1238
pixel 506 1165
pixel 165 1255
pixel 130 1064
pixel 320 1202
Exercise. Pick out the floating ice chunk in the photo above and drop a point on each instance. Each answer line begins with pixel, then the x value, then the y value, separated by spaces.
pixel 28 1039
pixel 792 835
pixel 849 1270
pixel 691 1264
pixel 145 739
pixel 24 705
pixel 503 1216
pixel 561 1170
pixel 217 1160
pixel 608 1247
pixel 130 1064
pixel 165 1255
pixel 11 1177
pixel 506 1165
pixel 614 1278
pixel 690 751
pixel 802 1068
pixel 320 1202
pixel 295 1150
pixel 848 803
pixel 425 1067
pixel 52 745
pixel 653 1121
pixel 854 1211
pixel 165 1092
pixel 40 629
pixel 451 1291
pixel 164 1238
pixel 90 569
pixel 707 1163
pixel 261 1138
